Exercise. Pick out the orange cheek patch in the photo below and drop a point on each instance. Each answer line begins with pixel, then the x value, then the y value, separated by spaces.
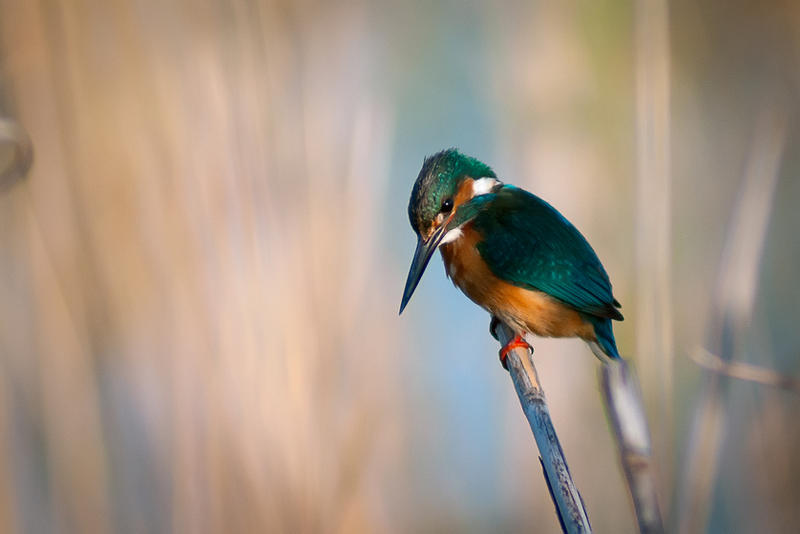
pixel 464 193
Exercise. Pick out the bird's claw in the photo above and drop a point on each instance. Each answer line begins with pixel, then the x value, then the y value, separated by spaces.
pixel 516 343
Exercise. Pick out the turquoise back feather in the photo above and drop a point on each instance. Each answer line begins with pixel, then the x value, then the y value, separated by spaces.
pixel 528 243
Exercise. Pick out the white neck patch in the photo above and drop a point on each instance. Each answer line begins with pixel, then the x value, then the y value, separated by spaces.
pixel 450 236
pixel 482 186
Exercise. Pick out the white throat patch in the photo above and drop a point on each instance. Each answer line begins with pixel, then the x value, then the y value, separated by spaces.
pixel 482 186
pixel 450 236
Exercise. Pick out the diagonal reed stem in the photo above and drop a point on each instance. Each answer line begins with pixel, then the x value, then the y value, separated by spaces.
pixel 566 498
pixel 625 411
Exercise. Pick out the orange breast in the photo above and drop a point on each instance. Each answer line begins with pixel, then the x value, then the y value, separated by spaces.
pixel 522 309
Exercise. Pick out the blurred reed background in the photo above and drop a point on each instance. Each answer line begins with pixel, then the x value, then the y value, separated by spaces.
pixel 199 280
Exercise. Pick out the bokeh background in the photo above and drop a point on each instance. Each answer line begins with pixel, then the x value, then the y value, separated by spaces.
pixel 200 277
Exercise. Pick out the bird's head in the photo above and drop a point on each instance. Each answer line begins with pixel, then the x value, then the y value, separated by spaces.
pixel 443 199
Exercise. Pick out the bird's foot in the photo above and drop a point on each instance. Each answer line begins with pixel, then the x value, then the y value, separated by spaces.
pixel 516 343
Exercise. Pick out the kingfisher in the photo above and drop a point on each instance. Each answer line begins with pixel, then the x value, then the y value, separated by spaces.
pixel 511 253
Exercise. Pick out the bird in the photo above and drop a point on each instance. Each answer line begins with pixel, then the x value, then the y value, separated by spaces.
pixel 511 253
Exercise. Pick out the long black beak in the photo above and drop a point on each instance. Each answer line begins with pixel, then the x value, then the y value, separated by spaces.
pixel 422 255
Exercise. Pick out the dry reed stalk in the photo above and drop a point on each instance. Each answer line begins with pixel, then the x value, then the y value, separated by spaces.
pixel 625 410
pixel 568 502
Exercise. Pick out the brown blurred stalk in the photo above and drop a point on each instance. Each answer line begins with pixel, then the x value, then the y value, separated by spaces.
pixel 16 153
pixel 568 502
pixel 654 340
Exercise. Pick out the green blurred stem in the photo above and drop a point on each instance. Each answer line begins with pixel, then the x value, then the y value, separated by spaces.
pixel 566 498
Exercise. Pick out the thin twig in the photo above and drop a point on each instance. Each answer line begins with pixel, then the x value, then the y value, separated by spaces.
pixel 625 410
pixel 566 498
pixel 744 371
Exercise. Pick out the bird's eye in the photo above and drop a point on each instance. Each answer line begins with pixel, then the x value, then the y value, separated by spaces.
pixel 447 206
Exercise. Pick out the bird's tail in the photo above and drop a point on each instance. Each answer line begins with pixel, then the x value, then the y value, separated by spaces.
pixel 605 346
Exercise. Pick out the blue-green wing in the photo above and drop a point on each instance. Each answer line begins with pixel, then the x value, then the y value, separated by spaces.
pixel 528 243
